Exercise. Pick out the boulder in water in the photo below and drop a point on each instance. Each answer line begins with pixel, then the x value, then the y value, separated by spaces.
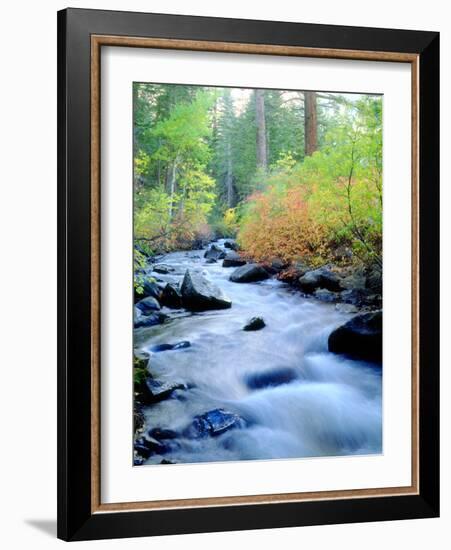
pixel 148 305
pixel 322 277
pixel 256 323
pixel 214 423
pixel 359 338
pixel 233 259
pixel 230 243
pixel 171 297
pixel 199 294
pixel 150 320
pixel 156 390
pixel 166 347
pixel 271 378
pixel 148 288
pixel 162 269
pixel 214 253
pixel 249 273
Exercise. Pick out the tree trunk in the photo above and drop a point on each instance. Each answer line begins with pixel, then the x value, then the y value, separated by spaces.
pixel 262 159
pixel 229 177
pixel 171 184
pixel 310 123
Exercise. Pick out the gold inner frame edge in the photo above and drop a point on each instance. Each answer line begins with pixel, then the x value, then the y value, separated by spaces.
pixel 97 41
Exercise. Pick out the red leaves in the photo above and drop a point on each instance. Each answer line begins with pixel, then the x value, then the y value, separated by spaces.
pixel 278 224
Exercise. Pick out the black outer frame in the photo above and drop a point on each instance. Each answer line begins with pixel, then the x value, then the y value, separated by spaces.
pixel 75 520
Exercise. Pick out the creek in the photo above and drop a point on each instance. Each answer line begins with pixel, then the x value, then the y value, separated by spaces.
pixel 315 404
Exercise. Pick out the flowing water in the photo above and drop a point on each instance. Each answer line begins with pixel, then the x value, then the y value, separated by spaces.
pixel 331 407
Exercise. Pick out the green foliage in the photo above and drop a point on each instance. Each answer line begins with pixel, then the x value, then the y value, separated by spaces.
pixel 139 262
pixel 140 371
pixel 170 214
pixel 182 135
pixel 227 224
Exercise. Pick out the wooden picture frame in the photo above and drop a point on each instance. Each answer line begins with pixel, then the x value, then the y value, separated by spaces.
pixel 81 35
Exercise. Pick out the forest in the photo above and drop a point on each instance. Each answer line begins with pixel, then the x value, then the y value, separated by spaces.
pixel 290 174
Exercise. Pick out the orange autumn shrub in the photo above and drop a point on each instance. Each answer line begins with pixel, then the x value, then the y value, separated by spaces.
pixel 279 224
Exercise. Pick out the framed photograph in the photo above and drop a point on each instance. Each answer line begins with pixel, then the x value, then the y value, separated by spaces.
pixel 248 274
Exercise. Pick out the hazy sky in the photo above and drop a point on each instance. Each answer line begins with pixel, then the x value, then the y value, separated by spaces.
pixel 241 97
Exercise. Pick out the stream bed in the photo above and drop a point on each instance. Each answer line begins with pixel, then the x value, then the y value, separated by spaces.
pixel 282 392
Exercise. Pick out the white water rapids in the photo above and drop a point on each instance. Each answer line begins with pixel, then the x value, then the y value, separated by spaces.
pixel 332 408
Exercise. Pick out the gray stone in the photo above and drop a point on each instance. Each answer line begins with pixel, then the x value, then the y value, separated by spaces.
pixel 214 423
pixel 148 305
pixel 214 253
pixel 199 294
pixel 256 323
pixel 359 338
pixel 249 273
pixel 322 277
pixel 233 259
pixel 171 297
pixel 156 390
pixel 150 320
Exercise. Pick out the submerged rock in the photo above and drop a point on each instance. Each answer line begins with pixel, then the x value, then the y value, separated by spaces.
pixel 150 320
pixel 148 305
pixel 166 347
pixel 233 259
pixel 214 253
pixel 256 323
pixel 155 391
pixel 162 269
pixel 271 378
pixel 171 297
pixel 213 423
pixel 320 278
pixel 360 338
pixel 199 294
pixel 249 273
